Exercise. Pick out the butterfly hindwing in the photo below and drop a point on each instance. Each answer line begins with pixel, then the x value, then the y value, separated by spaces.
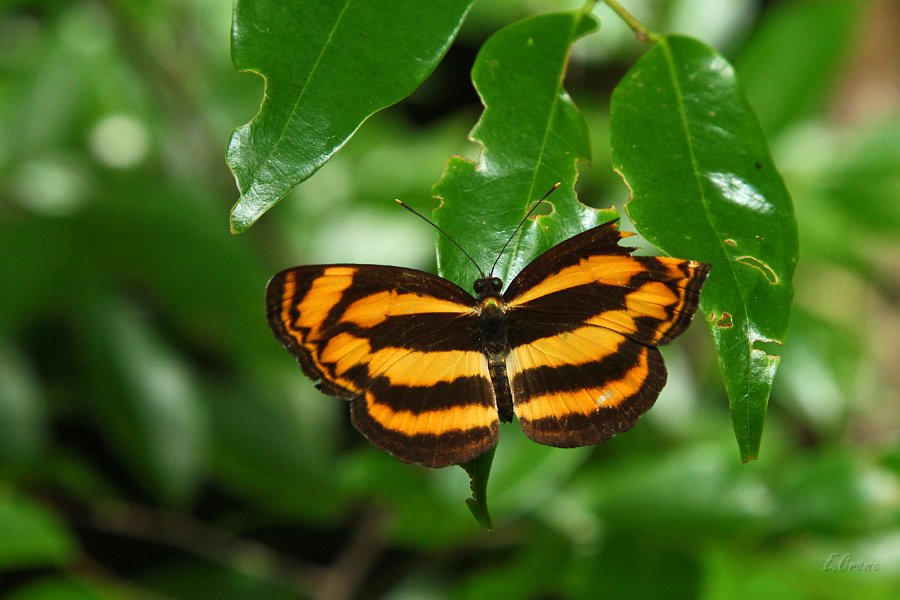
pixel 584 319
pixel 402 345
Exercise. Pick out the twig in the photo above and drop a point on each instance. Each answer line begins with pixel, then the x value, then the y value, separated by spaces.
pixel 641 32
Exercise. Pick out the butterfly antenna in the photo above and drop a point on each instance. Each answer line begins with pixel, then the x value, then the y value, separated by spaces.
pixel 522 222
pixel 447 235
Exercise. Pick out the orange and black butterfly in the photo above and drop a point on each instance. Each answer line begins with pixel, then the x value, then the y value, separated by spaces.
pixel 429 369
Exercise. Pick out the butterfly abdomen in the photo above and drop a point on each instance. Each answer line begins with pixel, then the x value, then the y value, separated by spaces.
pixel 495 344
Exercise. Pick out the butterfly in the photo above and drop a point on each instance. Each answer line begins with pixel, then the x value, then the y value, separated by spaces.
pixel 569 348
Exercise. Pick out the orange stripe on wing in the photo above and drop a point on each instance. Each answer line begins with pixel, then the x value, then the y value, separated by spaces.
pixel 402 366
pixel 344 351
pixel 606 269
pixel 288 291
pixel 326 291
pixel 587 400
pixel 432 422
pixel 377 307
pixel 406 367
pixel 615 320
pixel 576 347
pixel 653 299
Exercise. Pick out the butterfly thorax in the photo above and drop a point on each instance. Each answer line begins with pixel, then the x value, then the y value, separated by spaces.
pixel 494 341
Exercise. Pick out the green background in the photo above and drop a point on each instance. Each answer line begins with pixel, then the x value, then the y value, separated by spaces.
pixel 156 441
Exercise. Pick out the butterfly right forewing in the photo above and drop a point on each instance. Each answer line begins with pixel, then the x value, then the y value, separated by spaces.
pixel 585 319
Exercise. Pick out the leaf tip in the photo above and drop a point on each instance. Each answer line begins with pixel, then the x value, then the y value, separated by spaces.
pixel 244 214
pixel 237 227
pixel 481 514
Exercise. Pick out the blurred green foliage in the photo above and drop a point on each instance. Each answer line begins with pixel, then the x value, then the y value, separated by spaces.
pixel 155 440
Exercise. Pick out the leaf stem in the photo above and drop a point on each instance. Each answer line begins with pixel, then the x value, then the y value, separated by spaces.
pixel 479 470
pixel 641 32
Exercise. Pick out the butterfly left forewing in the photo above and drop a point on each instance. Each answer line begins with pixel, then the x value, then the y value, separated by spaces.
pixel 402 345
pixel 585 319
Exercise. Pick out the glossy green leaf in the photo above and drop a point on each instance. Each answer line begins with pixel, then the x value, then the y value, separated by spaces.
pixel 328 66
pixel 532 135
pixel 705 188
pixel 30 536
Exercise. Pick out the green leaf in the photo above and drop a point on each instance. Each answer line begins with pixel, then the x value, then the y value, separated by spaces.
pixel 704 187
pixel 532 135
pixel 30 536
pixel 328 66
pixel 479 470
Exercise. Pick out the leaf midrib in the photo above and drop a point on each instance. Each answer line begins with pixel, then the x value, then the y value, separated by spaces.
pixel 551 114
pixel 309 78
pixel 670 65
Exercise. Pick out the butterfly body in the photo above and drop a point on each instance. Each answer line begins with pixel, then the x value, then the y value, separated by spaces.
pixel 569 347
pixel 494 342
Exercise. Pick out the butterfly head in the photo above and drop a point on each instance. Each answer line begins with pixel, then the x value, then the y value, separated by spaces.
pixel 487 286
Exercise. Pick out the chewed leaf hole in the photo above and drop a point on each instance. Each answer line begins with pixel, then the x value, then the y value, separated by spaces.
pixel 725 322
pixel 770 347
pixel 766 270
pixel 543 209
